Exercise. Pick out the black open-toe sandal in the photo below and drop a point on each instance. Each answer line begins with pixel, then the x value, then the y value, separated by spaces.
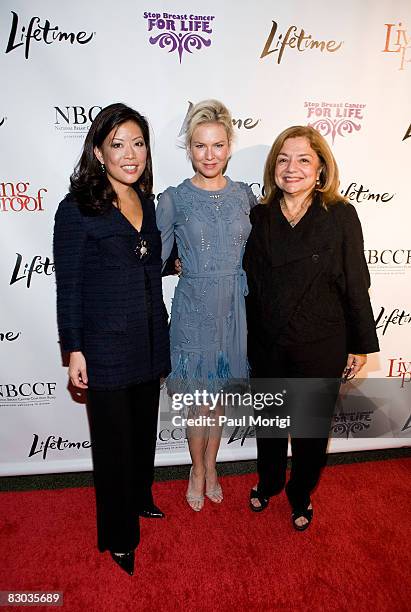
pixel 306 513
pixel 263 501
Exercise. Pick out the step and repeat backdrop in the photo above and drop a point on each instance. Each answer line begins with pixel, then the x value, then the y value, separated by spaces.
pixel 344 68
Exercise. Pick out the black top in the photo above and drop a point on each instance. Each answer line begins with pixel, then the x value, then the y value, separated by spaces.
pixel 109 294
pixel 309 282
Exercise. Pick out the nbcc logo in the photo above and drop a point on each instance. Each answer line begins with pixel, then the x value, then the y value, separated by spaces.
pixel 75 115
pixel 175 435
pixel 399 257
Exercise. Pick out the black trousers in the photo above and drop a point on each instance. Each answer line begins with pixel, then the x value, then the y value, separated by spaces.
pixel 123 428
pixel 323 361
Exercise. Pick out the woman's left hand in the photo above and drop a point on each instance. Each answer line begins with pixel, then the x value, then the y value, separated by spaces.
pixel 178 267
pixel 354 364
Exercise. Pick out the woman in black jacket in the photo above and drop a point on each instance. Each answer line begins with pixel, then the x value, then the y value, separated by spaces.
pixel 309 315
pixel 112 319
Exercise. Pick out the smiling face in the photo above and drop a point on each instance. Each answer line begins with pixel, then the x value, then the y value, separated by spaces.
pixel 297 167
pixel 124 154
pixel 209 150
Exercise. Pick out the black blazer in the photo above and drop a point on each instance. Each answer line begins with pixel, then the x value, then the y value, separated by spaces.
pixel 109 299
pixel 309 282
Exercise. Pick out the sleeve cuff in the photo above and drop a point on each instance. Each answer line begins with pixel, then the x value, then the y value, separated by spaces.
pixel 71 339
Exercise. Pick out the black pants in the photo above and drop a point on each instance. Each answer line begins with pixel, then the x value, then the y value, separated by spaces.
pixel 123 428
pixel 321 360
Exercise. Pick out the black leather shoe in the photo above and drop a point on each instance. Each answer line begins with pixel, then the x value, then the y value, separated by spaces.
pixel 151 511
pixel 125 561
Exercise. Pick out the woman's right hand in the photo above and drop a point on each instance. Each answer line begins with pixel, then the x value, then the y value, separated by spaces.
pixel 78 370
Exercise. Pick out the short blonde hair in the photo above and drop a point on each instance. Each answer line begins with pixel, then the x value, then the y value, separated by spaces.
pixel 329 181
pixel 208 111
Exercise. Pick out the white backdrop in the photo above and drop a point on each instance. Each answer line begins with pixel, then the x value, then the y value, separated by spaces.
pixel 343 67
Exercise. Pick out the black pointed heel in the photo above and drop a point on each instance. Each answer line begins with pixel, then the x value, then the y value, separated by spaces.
pixel 125 561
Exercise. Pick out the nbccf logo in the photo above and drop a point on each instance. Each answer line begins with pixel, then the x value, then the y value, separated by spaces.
pixel 37 393
pixel 168 434
pixel 74 121
pixel 182 33
pixel 388 261
pixel 388 257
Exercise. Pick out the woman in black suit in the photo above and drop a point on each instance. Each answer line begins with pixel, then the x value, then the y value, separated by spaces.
pixel 309 315
pixel 112 318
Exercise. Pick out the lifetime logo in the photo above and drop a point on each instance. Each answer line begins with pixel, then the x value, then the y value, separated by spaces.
pixel 26 389
pixel 9 336
pixel 397 42
pixel 54 443
pixel 14 197
pixel 295 38
pixel 399 368
pixel 247 123
pixel 38 31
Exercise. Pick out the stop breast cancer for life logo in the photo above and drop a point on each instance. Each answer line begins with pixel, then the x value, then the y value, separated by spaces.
pixel 180 33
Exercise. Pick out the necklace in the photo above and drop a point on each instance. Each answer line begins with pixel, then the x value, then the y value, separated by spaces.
pixel 294 220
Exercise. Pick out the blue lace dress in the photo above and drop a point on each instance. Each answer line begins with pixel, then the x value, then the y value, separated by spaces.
pixel 208 330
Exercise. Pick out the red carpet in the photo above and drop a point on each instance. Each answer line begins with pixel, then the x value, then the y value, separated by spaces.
pixel 355 555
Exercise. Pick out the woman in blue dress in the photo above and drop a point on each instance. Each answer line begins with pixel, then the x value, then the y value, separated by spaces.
pixel 208 215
